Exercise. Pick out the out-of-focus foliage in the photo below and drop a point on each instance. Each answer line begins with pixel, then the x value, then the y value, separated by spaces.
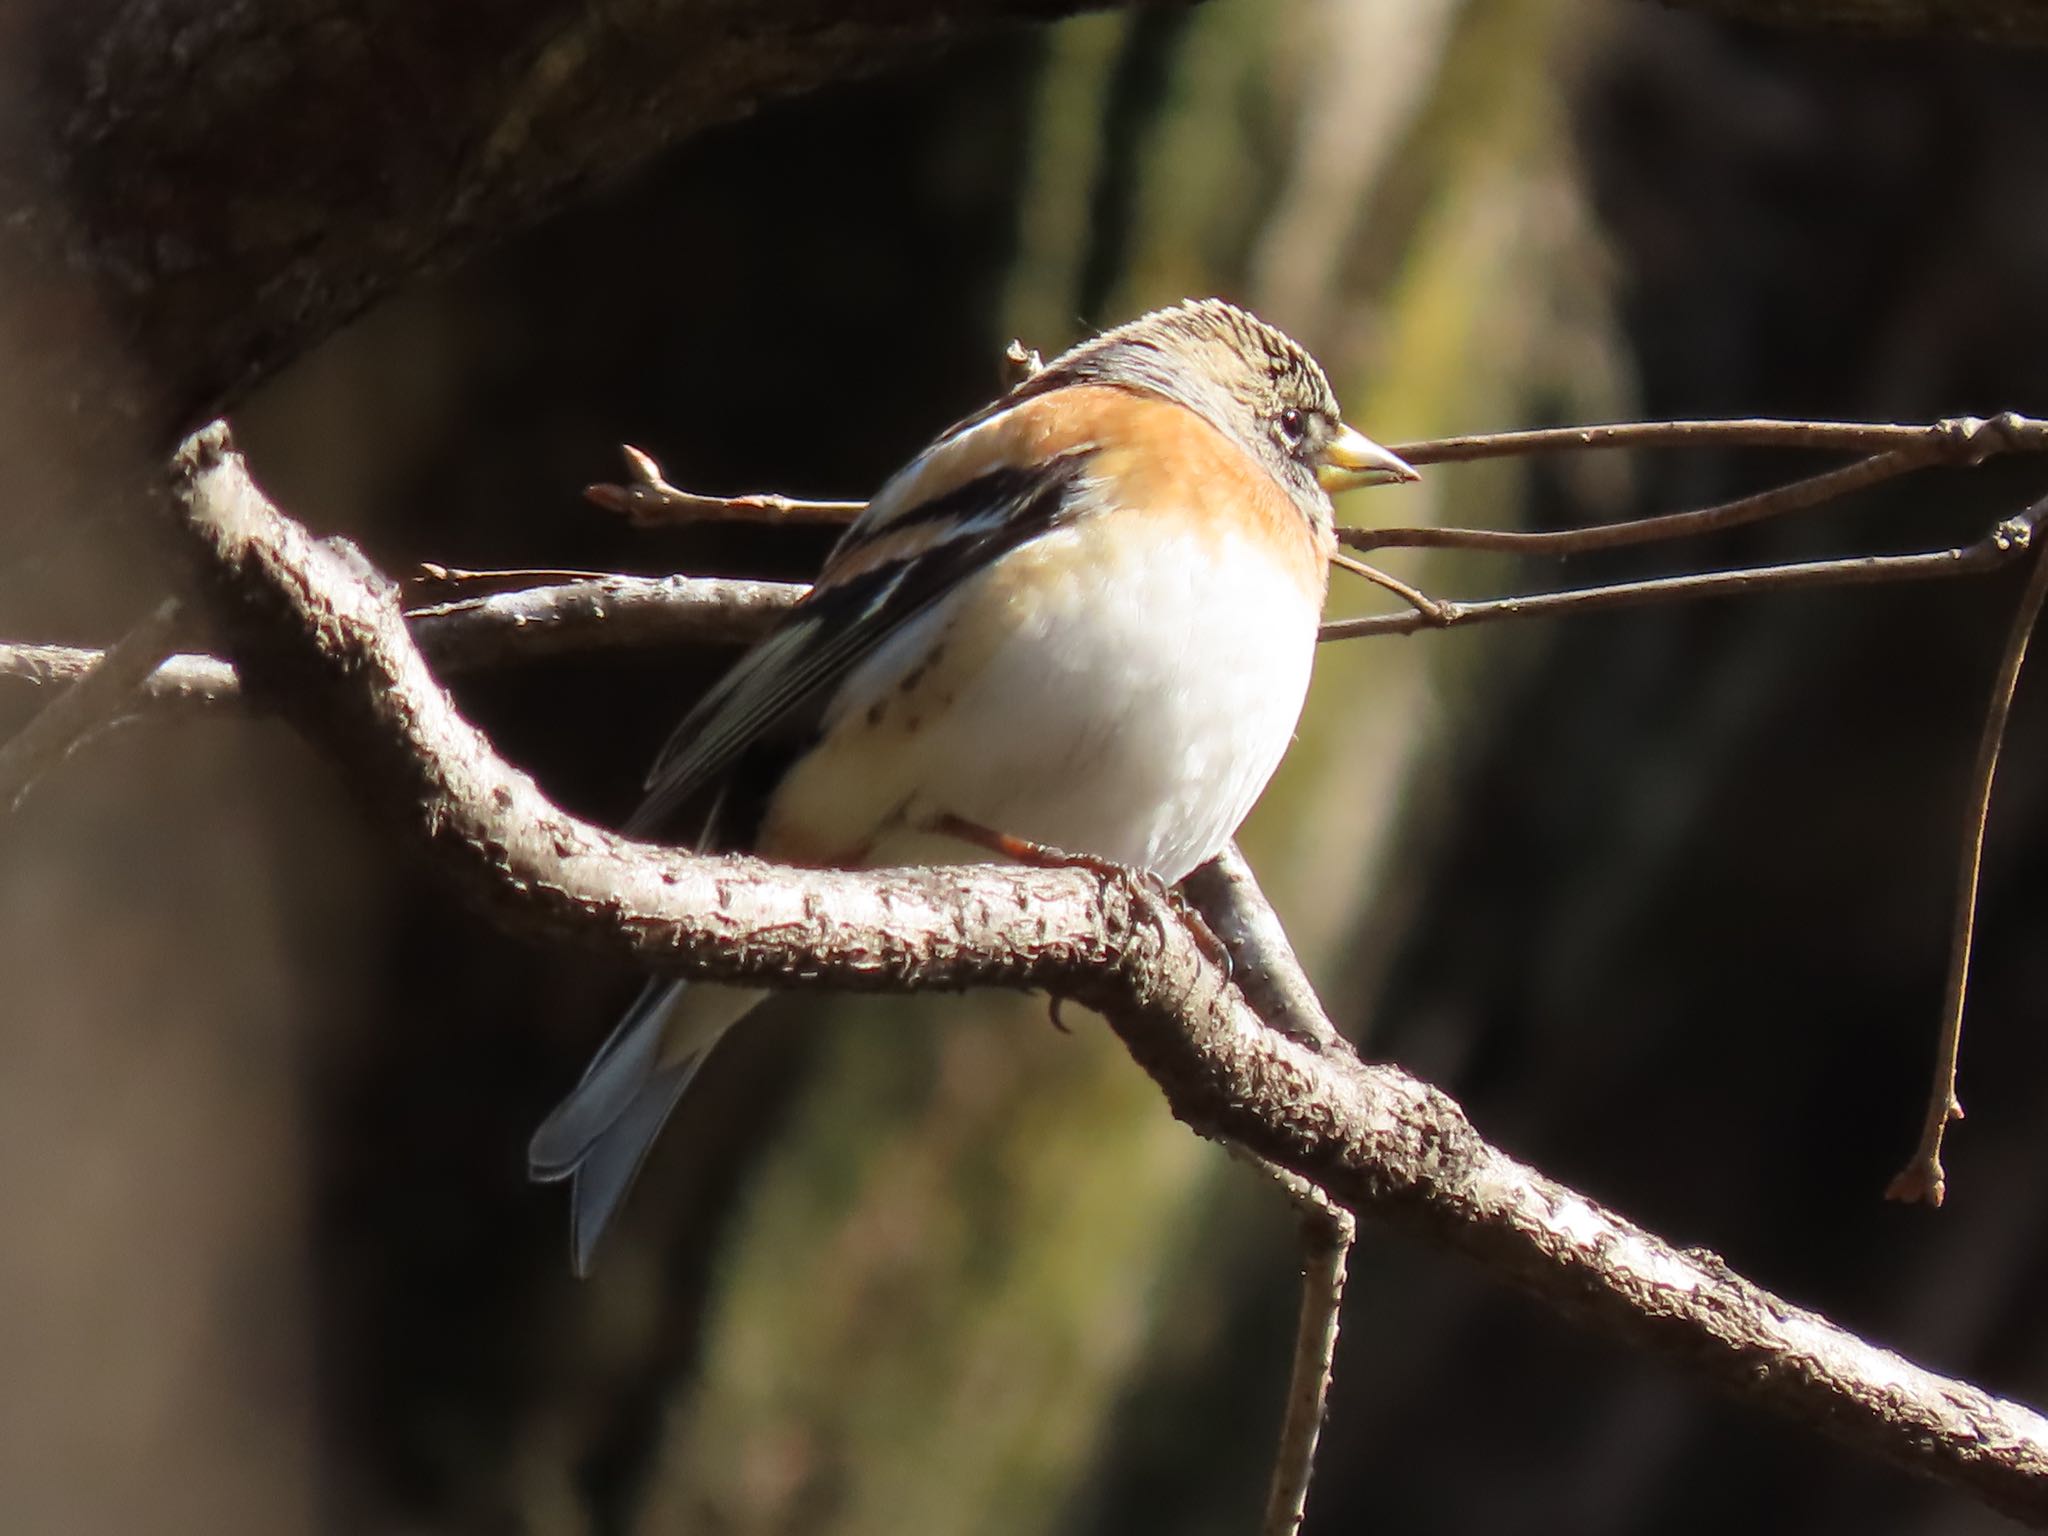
pixel 1029 1230
pixel 1659 895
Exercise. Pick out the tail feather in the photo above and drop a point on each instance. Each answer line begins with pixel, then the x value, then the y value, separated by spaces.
pixel 605 1175
pixel 599 1135
pixel 608 1087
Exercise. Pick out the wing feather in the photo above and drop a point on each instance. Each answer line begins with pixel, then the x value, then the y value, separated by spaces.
pixel 842 621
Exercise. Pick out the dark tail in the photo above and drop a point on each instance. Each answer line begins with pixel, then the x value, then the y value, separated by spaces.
pixel 600 1135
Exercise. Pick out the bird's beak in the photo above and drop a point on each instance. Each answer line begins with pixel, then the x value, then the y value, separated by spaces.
pixel 1352 459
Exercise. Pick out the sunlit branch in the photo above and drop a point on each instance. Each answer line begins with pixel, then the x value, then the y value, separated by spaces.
pixel 1958 439
pixel 1798 496
pixel 650 501
pixel 634 612
pixel 1893 450
pixel 473 633
pixel 92 699
pixel 338 660
pixel 582 611
pixel 1425 606
pixel 2005 542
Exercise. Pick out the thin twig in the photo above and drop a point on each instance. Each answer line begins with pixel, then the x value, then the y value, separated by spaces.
pixel 608 613
pixel 183 679
pixel 1922 1179
pixel 91 702
pixel 470 634
pixel 650 501
pixel 2005 542
pixel 434 574
pixel 1326 1240
pixel 628 612
pixel 1414 597
pixel 1961 439
pixel 1798 496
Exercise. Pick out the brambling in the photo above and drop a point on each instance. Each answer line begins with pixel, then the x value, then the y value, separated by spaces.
pixel 1081 620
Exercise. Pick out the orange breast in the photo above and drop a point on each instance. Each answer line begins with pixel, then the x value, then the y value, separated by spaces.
pixel 1151 457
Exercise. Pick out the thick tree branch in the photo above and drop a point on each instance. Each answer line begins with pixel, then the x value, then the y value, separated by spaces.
pixel 320 637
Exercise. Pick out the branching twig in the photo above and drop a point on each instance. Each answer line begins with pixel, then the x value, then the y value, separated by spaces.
pixel 94 698
pixel 1427 607
pixel 1922 1178
pixel 1959 439
pixel 629 612
pixel 651 502
pixel 2006 541
pixel 469 634
pixel 1779 501
pixel 609 613
pixel 648 498
pixel 324 643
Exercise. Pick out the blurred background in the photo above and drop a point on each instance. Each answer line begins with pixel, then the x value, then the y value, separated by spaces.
pixel 1662 897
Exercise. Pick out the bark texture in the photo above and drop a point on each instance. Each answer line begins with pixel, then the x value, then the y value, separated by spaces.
pixel 225 184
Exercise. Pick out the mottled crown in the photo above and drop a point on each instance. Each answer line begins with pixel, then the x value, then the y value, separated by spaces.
pixel 1189 349
pixel 1249 379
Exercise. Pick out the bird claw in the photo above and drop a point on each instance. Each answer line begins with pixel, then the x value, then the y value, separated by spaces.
pixel 1021 850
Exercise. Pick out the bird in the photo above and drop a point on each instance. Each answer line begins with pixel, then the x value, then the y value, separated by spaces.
pixel 1080 623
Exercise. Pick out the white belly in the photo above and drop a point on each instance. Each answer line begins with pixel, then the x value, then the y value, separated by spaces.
pixel 1129 700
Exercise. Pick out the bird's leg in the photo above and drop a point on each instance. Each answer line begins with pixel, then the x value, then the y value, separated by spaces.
pixel 1022 850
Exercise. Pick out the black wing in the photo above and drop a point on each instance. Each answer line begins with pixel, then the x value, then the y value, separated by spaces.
pixel 842 622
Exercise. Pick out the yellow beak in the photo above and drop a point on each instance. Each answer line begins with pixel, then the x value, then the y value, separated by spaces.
pixel 1352 459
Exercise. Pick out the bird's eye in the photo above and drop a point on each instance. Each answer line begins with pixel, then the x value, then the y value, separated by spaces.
pixel 1293 424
